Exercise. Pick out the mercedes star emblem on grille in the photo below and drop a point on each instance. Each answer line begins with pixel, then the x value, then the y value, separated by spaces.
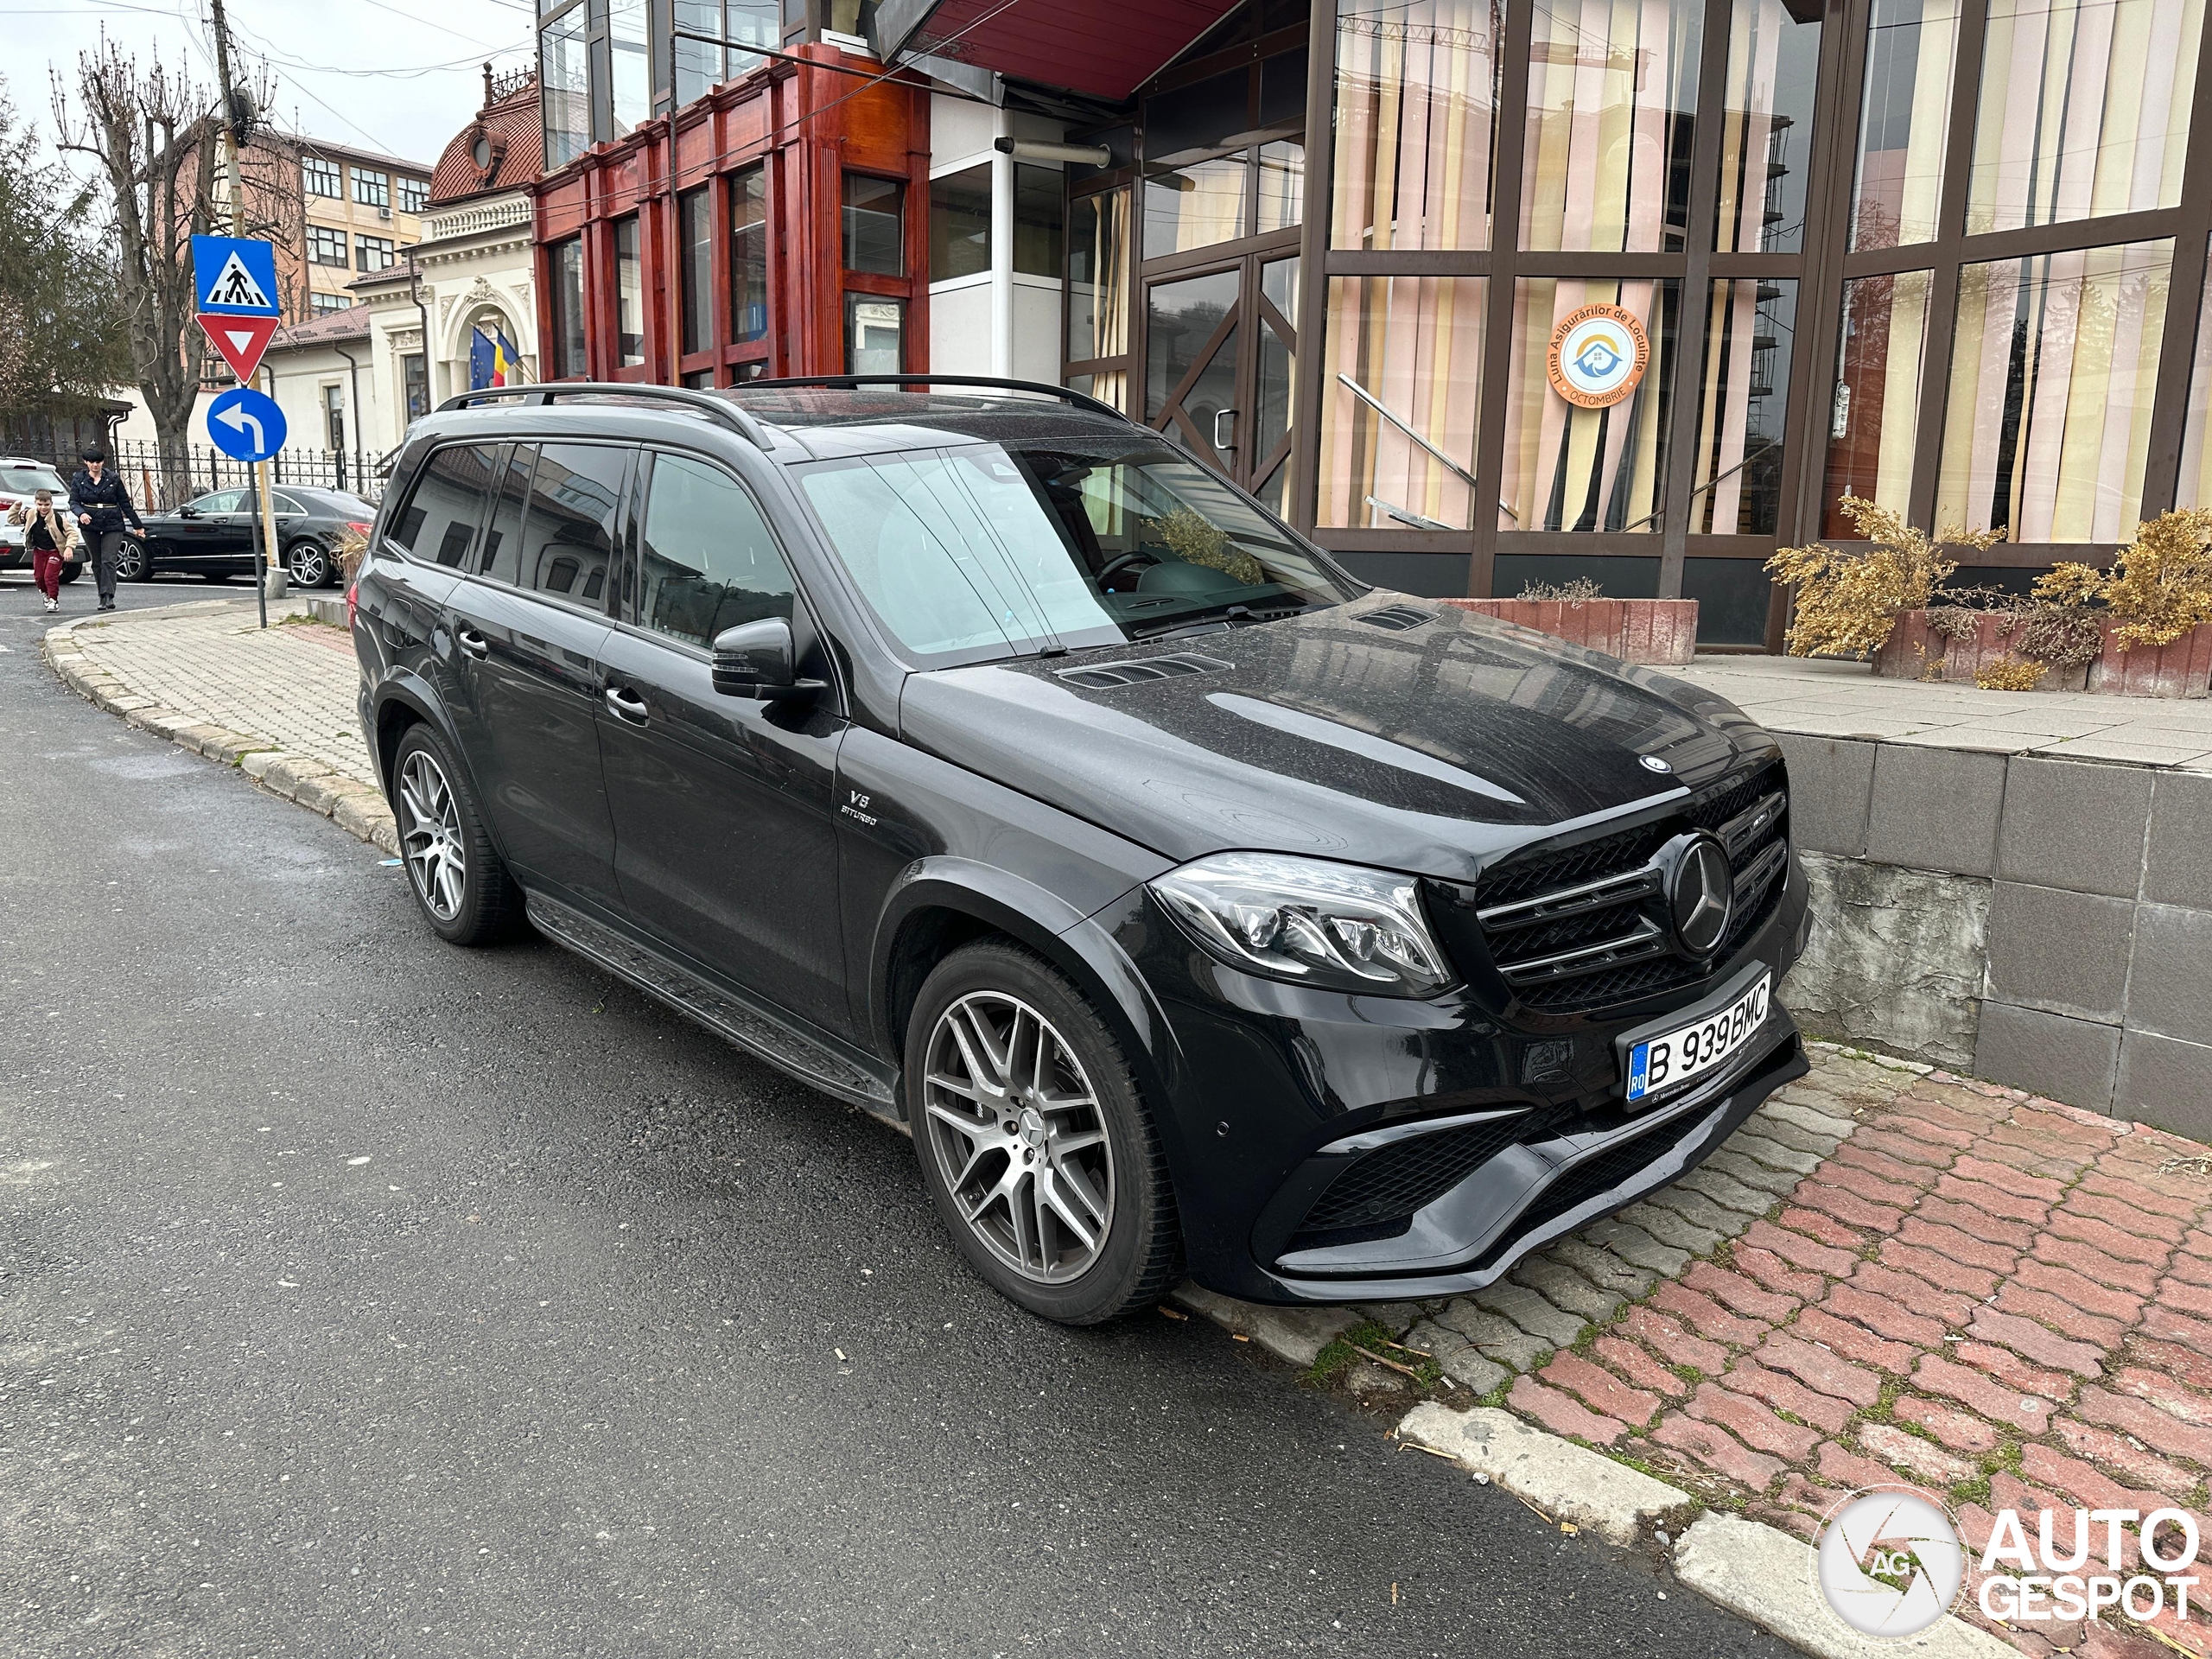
pixel 1701 895
pixel 1653 763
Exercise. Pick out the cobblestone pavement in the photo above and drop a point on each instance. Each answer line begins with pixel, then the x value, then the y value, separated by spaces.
pixel 290 685
pixel 1885 1273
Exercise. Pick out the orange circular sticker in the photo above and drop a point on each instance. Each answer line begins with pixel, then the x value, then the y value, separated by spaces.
pixel 1598 355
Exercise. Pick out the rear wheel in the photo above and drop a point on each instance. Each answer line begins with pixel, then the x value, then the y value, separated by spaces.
pixel 1035 1141
pixel 308 562
pixel 464 890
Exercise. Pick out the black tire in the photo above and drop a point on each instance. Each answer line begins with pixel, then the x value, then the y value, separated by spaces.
pixel 482 904
pixel 1139 1255
pixel 134 560
pixel 308 564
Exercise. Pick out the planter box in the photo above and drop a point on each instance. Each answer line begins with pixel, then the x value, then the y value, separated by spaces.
pixel 1662 632
pixel 1917 652
pixel 2183 668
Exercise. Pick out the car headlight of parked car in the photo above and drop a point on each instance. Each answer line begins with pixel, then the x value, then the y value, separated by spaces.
pixel 1308 921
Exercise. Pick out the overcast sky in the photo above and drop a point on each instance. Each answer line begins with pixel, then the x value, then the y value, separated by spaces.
pixel 400 76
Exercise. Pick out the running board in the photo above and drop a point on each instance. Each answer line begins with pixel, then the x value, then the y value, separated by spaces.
pixel 750 1028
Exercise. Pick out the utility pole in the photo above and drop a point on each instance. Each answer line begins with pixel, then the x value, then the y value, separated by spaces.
pixel 268 575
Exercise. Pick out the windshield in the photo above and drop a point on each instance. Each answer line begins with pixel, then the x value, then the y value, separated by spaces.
pixel 997 549
pixel 21 479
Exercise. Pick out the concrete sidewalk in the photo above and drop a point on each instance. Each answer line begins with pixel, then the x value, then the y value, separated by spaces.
pixel 276 703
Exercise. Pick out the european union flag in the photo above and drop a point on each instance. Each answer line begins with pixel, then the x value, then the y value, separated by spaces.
pixel 492 361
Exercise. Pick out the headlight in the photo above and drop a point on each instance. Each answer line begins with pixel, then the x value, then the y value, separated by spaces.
pixel 1309 922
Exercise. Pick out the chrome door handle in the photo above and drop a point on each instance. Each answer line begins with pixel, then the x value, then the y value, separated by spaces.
pixel 1224 430
pixel 473 642
pixel 627 705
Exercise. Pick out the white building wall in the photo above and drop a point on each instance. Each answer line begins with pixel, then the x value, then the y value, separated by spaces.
pixel 999 322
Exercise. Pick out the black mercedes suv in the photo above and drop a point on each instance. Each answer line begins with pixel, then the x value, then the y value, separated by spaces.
pixel 984 760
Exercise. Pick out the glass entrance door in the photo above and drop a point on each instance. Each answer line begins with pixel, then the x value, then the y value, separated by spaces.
pixel 1221 359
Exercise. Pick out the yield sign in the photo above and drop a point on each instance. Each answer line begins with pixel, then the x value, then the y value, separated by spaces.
pixel 240 339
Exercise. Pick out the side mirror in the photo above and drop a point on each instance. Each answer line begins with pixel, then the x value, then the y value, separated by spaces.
pixel 188 513
pixel 756 660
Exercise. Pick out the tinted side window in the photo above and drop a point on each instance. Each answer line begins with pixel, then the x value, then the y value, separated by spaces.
pixel 439 520
pixel 709 563
pixel 221 501
pixel 567 541
pixel 502 557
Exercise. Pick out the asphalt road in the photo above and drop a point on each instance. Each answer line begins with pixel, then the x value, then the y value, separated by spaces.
pixel 361 1295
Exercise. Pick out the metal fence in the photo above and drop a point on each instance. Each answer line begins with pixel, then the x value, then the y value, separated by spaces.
pixel 159 483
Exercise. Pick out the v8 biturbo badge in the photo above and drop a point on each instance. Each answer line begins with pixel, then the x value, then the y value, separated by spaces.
pixel 1598 355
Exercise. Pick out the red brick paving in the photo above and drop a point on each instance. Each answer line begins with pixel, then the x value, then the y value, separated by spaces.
pixel 2004 1300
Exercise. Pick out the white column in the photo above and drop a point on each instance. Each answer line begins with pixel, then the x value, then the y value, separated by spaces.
pixel 1002 249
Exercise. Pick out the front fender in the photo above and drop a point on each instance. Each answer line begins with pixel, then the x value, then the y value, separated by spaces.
pixel 1074 944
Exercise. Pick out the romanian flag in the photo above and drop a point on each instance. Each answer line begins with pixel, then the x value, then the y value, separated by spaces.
pixel 492 361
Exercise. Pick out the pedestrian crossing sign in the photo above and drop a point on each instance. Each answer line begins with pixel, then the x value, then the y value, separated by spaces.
pixel 235 276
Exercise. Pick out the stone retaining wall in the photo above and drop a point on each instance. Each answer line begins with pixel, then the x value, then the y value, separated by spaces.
pixel 2042 922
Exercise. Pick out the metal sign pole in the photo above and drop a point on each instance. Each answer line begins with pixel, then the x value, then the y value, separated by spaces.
pixel 264 522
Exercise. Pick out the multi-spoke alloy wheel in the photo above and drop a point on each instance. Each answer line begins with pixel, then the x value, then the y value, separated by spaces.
pixel 431 839
pixel 1015 1127
pixel 310 564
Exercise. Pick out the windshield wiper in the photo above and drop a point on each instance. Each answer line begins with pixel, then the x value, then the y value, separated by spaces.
pixel 1222 616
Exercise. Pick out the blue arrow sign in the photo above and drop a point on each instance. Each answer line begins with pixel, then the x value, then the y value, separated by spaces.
pixel 234 277
pixel 245 424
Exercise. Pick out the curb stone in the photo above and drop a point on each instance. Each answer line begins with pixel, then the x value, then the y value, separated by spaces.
pixel 1764 1575
pixel 356 808
pixel 1297 1334
pixel 1565 1481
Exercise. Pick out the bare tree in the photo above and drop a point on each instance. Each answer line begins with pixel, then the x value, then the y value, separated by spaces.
pixel 154 134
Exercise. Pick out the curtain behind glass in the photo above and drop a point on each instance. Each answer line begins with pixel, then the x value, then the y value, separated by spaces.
pixel 1587 470
pixel 1874 413
pixel 2053 365
pixel 2084 109
pixel 1416 123
pixel 1413 344
pixel 1612 96
pixel 1904 120
pixel 1766 131
pixel 1742 400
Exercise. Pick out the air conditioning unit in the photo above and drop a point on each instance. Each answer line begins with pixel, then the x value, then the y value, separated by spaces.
pixel 384 212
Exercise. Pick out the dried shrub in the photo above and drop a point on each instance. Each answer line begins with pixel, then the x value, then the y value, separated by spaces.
pixel 2011 673
pixel 1580 591
pixel 1198 540
pixel 1847 603
pixel 2161 588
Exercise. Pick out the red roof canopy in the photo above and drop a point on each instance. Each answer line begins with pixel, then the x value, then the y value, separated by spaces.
pixel 1107 48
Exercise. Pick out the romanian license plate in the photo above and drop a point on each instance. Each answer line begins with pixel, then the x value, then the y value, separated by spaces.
pixel 1673 1056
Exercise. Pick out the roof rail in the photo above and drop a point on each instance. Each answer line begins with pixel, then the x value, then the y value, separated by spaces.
pixel 985 382
pixel 547 394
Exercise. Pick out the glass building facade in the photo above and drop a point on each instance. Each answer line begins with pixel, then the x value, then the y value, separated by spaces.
pixel 1945 254
pixel 1949 255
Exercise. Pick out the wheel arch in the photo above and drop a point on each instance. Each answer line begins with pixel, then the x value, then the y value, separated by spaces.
pixel 945 904
pixel 403 704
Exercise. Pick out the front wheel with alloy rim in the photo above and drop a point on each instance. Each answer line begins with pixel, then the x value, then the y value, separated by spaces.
pixel 132 561
pixel 464 890
pixel 1035 1141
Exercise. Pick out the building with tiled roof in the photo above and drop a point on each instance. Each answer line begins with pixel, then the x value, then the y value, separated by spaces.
pixel 470 275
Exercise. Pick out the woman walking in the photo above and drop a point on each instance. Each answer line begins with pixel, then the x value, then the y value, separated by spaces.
pixel 50 539
pixel 103 508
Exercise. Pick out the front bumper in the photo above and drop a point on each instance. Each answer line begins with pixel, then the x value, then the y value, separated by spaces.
pixel 1276 1093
